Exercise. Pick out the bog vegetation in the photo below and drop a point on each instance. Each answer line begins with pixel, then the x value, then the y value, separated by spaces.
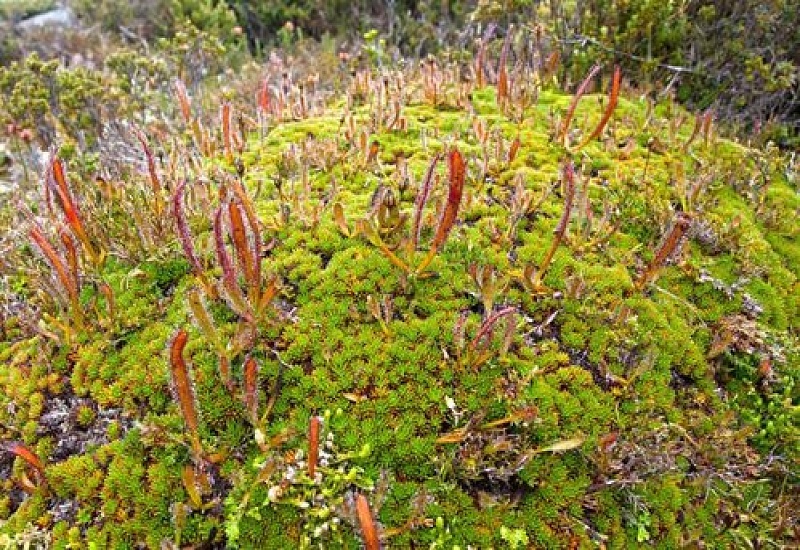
pixel 329 298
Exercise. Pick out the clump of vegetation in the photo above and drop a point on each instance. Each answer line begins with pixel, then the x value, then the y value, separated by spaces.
pixel 595 346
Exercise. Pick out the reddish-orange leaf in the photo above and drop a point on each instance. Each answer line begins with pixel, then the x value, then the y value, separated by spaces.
pixel 313 445
pixel 422 199
pixel 183 100
pixel 670 244
pixel 488 326
pixel 502 75
pixel 575 99
pixel 263 97
pixel 607 441
pixel 480 59
pixel 247 204
pixel 62 189
pixel 27 455
pixel 243 252
pixel 513 150
pixel 251 387
pixel 155 182
pixel 72 253
pixel 369 531
pixel 698 123
pixel 765 368
pixel 226 130
pixel 372 154
pixel 457 177
pixel 59 177
pixel 613 98
pixel 183 387
pixel 69 284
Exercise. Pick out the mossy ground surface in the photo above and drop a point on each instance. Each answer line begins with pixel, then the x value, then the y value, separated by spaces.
pixel 599 412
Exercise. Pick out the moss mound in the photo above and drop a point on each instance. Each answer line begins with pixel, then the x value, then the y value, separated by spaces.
pixel 601 349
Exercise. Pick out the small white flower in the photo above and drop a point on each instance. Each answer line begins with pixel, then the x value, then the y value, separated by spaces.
pixel 274 493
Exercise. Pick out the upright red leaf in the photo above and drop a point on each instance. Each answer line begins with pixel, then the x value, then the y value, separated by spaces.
pixel 250 395
pixel 502 72
pixel 263 97
pixel 182 225
pixel 457 176
pixel 613 98
pixel 561 228
pixel 234 294
pixel 183 101
pixel 59 179
pixel 670 243
pixel 422 199
pixel 20 450
pixel 155 182
pixel 243 252
pixel 183 389
pixel 574 103
pixel 480 58
pixel 226 130
pixel 62 271
pixel 369 532
pixel 313 445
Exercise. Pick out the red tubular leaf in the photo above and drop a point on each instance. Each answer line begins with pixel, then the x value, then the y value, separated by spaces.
pixel 422 199
pixel 55 261
pixel 224 259
pixel 155 182
pixel 671 243
pixel 502 71
pixel 561 228
pixel 184 234
pixel 313 445
pixel 458 171
pixel 243 252
pixel 183 387
pixel 575 99
pixel 514 149
pixel 59 177
pixel 488 325
pixel 237 300
pixel 457 176
pixel 698 123
pixel 613 98
pixel 369 531
pixel 480 59
pixel 183 101
pixel 17 448
pixel 226 130
pixel 72 254
pixel 251 388
pixel 263 97
pixel 252 221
